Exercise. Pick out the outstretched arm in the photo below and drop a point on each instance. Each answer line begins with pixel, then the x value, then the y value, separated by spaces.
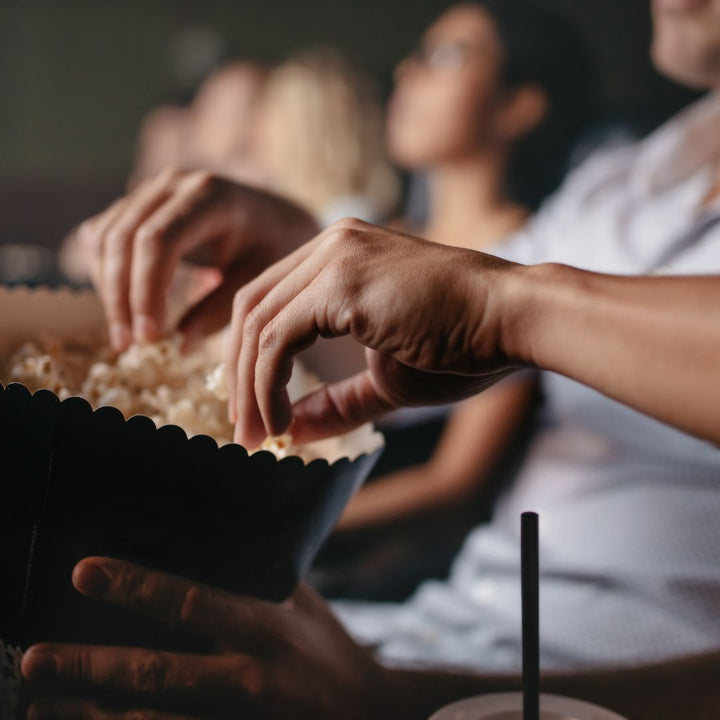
pixel 652 343
pixel 442 324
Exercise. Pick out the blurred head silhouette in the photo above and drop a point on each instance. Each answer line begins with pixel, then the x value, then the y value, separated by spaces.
pixel 215 132
pixel 686 41
pixel 320 139
pixel 505 77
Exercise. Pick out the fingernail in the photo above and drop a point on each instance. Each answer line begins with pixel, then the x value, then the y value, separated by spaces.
pixel 39 665
pixel 90 579
pixel 120 337
pixel 145 328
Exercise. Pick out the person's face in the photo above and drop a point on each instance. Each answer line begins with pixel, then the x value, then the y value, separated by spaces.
pixel 444 94
pixel 224 113
pixel 686 40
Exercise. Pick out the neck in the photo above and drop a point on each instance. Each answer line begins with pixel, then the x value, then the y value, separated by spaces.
pixel 468 205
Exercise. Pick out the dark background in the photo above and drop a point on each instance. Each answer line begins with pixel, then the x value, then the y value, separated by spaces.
pixel 76 76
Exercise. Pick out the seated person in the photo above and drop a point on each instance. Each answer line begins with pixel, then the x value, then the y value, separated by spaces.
pixel 612 486
pixel 486 101
pixel 489 108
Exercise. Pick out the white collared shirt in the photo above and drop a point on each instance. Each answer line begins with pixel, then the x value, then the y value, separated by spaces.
pixel 629 508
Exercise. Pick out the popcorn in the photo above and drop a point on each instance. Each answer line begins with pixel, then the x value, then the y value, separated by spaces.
pixel 216 383
pixel 154 379
pixel 280 445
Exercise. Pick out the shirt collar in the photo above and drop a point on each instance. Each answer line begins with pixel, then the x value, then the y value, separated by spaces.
pixel 680 147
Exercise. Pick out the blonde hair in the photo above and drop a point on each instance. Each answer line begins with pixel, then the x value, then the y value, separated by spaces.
pixel 326 127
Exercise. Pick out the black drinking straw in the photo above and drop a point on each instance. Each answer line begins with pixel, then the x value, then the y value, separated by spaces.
pixel 530 615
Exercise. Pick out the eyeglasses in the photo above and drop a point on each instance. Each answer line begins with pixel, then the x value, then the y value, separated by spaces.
pixel 448 55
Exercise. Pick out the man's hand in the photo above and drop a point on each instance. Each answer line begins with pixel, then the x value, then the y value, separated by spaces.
pixel 134 247
pixel 289 660
pixel 293 660
pixel 430 316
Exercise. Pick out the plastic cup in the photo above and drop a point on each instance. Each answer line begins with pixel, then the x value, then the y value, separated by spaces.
pixel 508 706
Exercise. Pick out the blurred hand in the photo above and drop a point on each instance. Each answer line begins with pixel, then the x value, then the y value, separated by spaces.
pixel 135 246
pixel 429 315
pixel 289 660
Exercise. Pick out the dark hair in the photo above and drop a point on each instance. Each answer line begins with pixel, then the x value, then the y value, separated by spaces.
pixel 542 49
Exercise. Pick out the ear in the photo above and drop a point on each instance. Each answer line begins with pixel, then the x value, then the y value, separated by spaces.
pixel 521 110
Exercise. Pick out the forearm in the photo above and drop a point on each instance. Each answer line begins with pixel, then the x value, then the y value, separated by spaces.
pixel 666 691
pixel 395 496
pixel 652 343
pixel 477 433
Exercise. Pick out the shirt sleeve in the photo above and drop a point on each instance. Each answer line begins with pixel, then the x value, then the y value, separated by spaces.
pixel 549 236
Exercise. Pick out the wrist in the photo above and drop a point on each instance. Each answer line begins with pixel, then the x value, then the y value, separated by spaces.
pixel 531 298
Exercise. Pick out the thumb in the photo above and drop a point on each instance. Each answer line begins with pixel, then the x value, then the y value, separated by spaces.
pixel 338 408
pixel 386 385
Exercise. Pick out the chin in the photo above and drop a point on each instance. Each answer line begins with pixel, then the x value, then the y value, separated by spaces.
pixel 404 153
pixel 684 68
pixel 407 161
pixel 687 52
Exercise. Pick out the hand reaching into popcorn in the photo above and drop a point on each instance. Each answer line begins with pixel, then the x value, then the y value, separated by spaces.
pixel 443 323
pixel 439 323
pixel 134 249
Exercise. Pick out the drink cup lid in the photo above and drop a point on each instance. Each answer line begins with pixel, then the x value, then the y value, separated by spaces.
pixel 508 706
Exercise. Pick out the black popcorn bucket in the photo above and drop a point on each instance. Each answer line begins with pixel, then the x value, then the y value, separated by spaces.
pixel 76 482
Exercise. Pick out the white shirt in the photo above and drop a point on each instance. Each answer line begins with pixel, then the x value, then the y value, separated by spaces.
pixel 629 508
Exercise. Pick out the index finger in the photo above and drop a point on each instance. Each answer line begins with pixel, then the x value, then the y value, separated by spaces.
pixel 178 602
pixel 194 215
pixel 245 300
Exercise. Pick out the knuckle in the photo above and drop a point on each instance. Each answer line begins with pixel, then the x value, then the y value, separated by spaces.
pixel 268 338
pixel 88 235
pixel 79 665
pixel 148 235
pixel 129 587
pixel 252 325
pixel 192 604
pixel 117 236
pixel 347 239
pixel 202 180
pixel 170 174
pixel 346 223
pixel 240 303
pixel 336 236
pixel 151 673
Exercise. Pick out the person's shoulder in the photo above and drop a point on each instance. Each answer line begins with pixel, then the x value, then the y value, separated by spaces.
pixel 607 162
pixel 605 170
